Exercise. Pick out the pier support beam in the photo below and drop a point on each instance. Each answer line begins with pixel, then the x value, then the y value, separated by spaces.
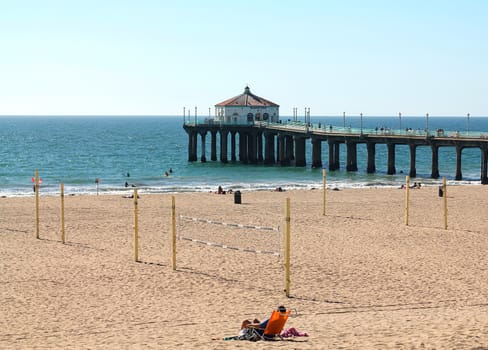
pixel 331 145
pixel 213 145
pixel 413 157
pixel 290 144
pixel 391 159
pixel 287 147
pixel 281 149
pixel 371 146
pixel 300 157
pixel 334 154
pixel 192 146
pixel 243 147
pixel 260 146
pixel 337 156
pixel 484 165
pixel 269 148
pixel 233 146
pixel 203 134
pixel 316 153
pixel 435 162
pixel 352 158
pixel 223 146
pixel 252 147
pixel 459 175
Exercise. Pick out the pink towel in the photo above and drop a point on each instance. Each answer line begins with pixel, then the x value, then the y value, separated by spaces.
pixel 292 332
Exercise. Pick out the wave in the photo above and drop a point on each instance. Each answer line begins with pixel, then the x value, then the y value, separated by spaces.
pixel 90 189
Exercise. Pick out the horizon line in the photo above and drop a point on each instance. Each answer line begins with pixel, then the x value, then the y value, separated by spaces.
pixel 200 116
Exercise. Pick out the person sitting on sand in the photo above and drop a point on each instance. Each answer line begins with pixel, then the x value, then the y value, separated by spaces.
pixel 256 324
pixel 248 324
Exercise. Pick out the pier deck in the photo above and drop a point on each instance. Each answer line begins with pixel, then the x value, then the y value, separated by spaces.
pixel 284 144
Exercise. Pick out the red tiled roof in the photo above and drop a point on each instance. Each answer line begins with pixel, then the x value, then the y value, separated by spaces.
pixel 247 99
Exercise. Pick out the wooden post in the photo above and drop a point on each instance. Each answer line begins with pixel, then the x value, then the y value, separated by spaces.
pixel 136 229
pixel 173 231
pixel 444 189
pixel 36 188
pixel 324 184
pixel 407 198
pixel 287 248
pixel 62 213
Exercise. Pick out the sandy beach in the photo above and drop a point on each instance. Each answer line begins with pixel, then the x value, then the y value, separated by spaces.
pixel 360 277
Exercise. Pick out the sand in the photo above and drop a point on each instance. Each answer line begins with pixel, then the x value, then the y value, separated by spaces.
pixel 360 277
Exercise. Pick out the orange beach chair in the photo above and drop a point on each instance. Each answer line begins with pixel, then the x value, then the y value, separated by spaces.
pixel 275 325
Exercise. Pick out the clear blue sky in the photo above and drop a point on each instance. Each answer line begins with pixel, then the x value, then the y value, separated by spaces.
pixel 156 57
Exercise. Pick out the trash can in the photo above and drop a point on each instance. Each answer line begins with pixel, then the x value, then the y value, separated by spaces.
pixel 441 191
pixel 237 197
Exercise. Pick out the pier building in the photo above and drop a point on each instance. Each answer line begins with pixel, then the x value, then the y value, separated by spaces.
pixel 246 108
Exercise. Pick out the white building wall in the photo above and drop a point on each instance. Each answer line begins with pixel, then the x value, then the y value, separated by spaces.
pixel 243 115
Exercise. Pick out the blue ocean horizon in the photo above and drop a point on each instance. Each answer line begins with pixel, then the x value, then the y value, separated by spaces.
pixel 131 151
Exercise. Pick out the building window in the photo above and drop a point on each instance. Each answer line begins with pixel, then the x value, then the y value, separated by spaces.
pixel 250 117
pixel 265 116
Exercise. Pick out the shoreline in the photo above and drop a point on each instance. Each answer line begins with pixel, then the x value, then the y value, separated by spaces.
pixel 152 190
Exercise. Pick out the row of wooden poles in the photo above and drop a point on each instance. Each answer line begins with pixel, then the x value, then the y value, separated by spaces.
pixel 287 244
pixel 286 262
pixel 407 197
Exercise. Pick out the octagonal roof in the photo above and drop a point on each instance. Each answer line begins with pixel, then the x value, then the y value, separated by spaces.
pixel 246 99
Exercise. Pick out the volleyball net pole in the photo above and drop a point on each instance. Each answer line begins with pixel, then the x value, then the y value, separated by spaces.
pixel 444 189
pixel 324 185
pixel 36 188
pixel 136 228
pixel 407 198
pixel 61 188
pixel 287 248
pixel 173 231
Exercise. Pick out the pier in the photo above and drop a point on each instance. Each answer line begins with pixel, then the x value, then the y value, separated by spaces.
pixel 285 144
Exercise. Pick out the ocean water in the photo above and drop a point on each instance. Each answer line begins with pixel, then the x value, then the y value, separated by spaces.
pixel 139 149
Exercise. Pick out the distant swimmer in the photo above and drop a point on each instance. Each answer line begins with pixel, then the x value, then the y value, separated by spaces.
pixel 166 173
pixel 170 170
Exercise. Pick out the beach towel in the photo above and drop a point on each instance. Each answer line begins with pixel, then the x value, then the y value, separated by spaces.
pixel 292 332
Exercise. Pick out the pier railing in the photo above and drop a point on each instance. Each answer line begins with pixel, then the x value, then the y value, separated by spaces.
pixel 327 129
